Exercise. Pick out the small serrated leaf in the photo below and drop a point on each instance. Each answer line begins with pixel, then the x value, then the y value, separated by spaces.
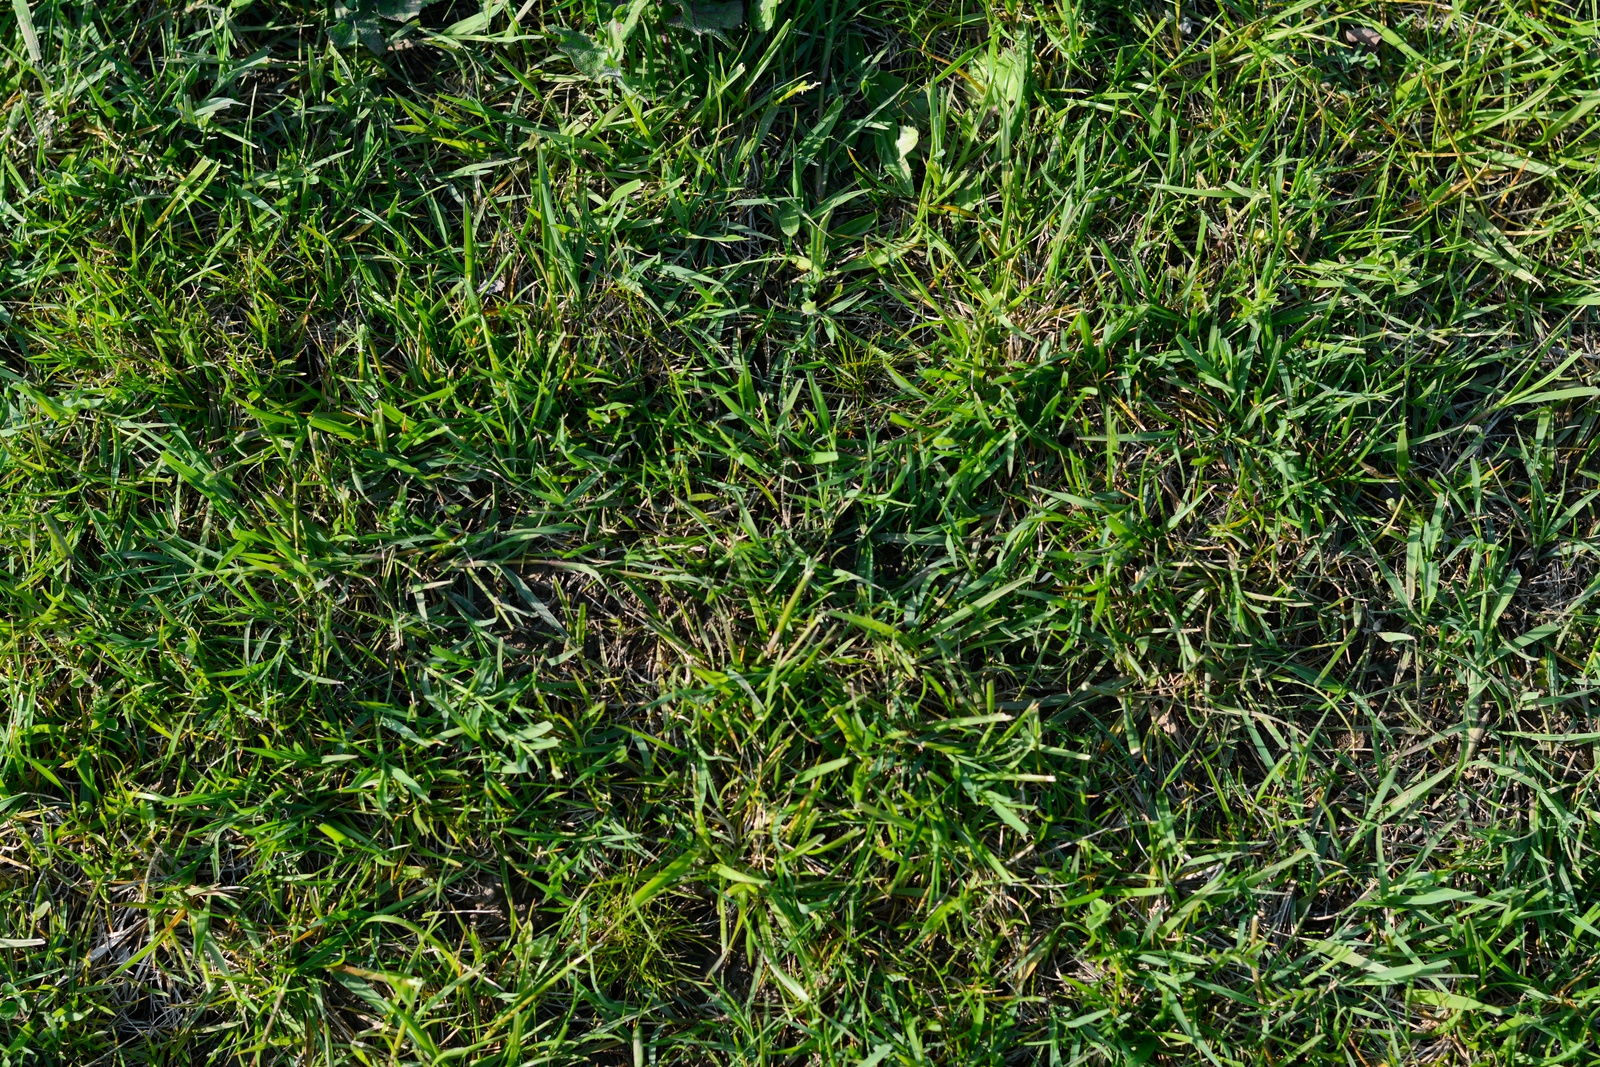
pixel 342 34
pixel 710 16
pixel 588 56
pixel 395 10
pixel 764 15
pixel 363 20
pixel 371 33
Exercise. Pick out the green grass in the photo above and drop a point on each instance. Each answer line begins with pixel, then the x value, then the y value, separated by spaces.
pixel 892 533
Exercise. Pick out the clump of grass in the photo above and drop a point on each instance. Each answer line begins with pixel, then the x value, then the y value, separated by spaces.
pixel 638 952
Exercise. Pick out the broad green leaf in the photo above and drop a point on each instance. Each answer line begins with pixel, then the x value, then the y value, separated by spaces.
pixel 372 35
pixel 396 10
pixel 710 17
pixel 363 20
pixel 764 15
pixel 789 218
pixel 1002 77
pixel 1453 1001
pixel 622 30
pixel 589 57
pixel 896 155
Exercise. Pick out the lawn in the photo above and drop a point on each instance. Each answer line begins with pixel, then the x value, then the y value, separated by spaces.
pixel 799 532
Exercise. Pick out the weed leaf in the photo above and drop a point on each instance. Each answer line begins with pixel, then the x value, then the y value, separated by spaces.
pixel 397 10
pixel 589 57
pixel 363 21
pixel 710 17
pixel 896 154
pixel 622 30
